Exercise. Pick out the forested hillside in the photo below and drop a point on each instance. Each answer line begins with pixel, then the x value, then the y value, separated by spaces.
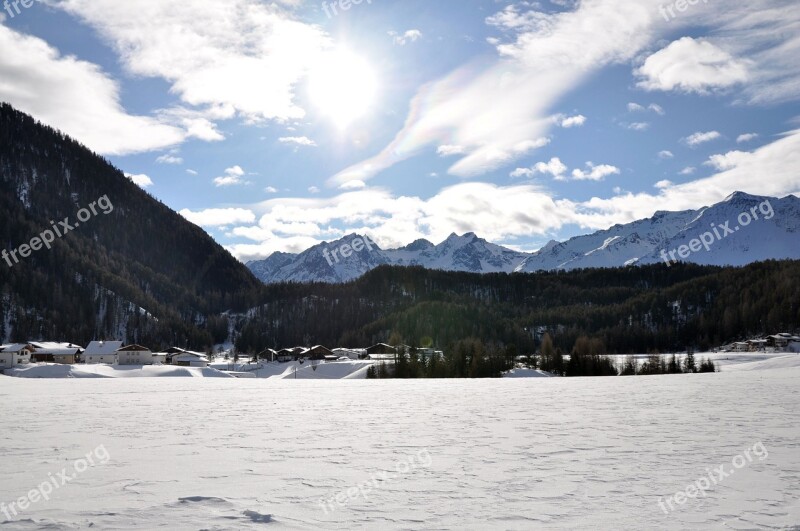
pixel 139 273
pixel 635 309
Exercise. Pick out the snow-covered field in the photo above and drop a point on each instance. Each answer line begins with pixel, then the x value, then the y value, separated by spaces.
pixel 51 370
pixel 593 453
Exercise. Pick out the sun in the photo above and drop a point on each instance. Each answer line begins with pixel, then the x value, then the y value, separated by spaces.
pixel 342 86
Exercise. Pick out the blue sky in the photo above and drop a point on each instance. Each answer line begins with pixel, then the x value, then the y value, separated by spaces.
pixel 275 126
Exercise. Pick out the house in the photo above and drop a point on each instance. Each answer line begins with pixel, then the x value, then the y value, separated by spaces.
pixel 134 355
pixel 285 355
pixel 318 352
pixel 190 359
pixel 101 352
pixel 739 346
pixel 756 345
pixel 49 352
pixel 779 340
pixel 382 348
pixel 381 357
pixel 352 353
pixel 267 354
pixel 15 354
pixel 168 356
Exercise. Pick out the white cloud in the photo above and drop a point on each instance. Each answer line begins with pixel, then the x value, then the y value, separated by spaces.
pixel 353 185
pixel 271 190
pixel 595 173
pixel 747 137
pixel 449 151
pixel 727 161
pixel 666 155
pixel 770 170
pixel 503 212
pixel 219 217
pixel 76 97
pixel 689 170
pixel 191 172
pixel 635 107
pixel 701 138
pixel 573 121
pixel 168 158
pixel 691 65
pixel 638 126
pixel 141 180
pixel 490 110
pixel 233 176
pixel 313 190
pixel 297 141
pixel 555 167
pixel 411 35
pixel 487 109
pixel 246 55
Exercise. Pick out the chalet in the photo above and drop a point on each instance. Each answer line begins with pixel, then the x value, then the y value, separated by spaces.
pixel 318 352
pixel 170 354
pixel 381 348
pixel 134 355
pixel 352 353
pixel 267 354
pixel 740 346
pixel 285 355
pixel 190 359
pixel 756 345
pixel 381 357
pixel 15 354
pixel 101 352
pixel 49 352
pixel 779 340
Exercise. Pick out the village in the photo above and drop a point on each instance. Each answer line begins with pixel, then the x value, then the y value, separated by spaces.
pixel 117 353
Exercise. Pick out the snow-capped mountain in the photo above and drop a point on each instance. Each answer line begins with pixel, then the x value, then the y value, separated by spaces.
pixel 773 231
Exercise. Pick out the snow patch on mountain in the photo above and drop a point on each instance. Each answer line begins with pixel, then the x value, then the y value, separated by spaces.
pixel 774 235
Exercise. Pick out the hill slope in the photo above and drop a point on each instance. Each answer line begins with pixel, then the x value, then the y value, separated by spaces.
pixel 135 271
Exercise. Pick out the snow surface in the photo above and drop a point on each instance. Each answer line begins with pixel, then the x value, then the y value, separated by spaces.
pixel 307 370
pixel 113 371
pixel 551 453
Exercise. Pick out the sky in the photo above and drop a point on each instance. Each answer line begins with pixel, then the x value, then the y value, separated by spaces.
pixel 278 125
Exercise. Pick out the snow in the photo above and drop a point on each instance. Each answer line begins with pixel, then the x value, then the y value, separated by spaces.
pixel 639 242
pixel 555 453
pixel 312 370
pixel 526 373
pixel 113 371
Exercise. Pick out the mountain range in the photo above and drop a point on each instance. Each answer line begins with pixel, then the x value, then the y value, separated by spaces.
pixel 775 234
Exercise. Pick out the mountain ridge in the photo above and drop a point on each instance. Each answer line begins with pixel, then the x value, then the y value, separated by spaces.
pixel 774 235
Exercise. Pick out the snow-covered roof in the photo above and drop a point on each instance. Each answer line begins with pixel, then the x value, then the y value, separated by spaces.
pixel 51 347
pixel 190 357
pixel 133 348
pixel 190 353
pixel 14 347
pixel 100 348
